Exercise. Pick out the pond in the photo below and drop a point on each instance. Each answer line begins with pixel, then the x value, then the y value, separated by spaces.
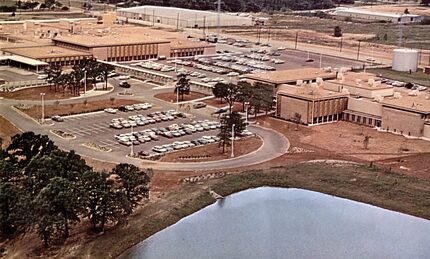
pixel 289 223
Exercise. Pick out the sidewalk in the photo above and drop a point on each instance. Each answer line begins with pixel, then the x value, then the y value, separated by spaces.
pixel 93 92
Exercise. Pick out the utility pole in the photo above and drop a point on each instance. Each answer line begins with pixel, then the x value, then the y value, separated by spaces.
pixel 177 22
pixel 232 140
pixel 358 50
pixel 132 148
pixel 268 35
pixel 246 114
pixel 218 17
pixel 85 82
pixel 153 18
pixel 204 26
pixel 43 107
pixel 341 42
pixel 297 37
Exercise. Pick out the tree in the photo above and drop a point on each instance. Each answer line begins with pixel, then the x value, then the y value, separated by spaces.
pixel 134 182
pixel 297 118
pixel 104 70
pixel 104 203
pixel 406 11
pixel 227 122
pixel 182 85
pixel 220 90
pixel 26 146
pixel 61 202
pixel 14 208
pixel 366 141
pixel 337 31
pixel 53 72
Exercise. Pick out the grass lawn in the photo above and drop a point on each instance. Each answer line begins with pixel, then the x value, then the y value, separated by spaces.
pixel 417 77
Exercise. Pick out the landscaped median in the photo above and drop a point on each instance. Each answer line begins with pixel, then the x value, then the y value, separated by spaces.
pixel 96 147
pixel 63 134
pixel 213 152
pixel 82 106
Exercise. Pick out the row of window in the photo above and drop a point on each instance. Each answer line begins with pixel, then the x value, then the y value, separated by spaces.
pixel 187 53
pixel 131 58
pixel 362 120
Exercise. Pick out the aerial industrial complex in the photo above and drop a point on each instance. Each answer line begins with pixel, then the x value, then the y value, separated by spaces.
pixel 67 41
pixel 211 103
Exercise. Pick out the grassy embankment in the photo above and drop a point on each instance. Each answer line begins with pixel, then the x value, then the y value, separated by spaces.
pixel 361 183
pixel 417 77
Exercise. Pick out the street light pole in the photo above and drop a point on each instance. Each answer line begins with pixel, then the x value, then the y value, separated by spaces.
pixel 246 114
pixel 85 82
pixel 232 140
pixel 132 148
pixel 43 107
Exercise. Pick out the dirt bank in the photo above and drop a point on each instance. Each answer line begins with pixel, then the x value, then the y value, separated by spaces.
pixel 384 189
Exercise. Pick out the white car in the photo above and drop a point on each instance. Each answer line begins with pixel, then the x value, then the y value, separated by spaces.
pixel 111 110
pixel 124 77
pixel 40 77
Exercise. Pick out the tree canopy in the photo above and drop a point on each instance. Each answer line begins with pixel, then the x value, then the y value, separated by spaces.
pixel 50 190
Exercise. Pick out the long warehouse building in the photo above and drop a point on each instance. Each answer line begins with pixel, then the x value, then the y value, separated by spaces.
pixel 183 18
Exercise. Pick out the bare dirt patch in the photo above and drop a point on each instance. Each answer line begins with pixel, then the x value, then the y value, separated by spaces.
pixel 418 10
pixel 325 143
pixel 34 93
pixel 171 97
pixel 76 108
pixel 347 138
pixel 214 152
pixel 7 131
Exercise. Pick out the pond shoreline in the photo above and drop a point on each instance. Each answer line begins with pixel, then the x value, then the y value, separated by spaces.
pixel 355 182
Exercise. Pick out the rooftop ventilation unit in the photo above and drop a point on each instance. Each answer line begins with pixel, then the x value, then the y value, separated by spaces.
pixel 397 95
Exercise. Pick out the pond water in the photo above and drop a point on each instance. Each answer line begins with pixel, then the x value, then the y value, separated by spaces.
pixel 289 223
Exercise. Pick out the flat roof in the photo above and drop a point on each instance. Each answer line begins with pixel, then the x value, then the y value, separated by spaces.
pixel 420 103
pixel 291 75
pixel 367 12
pixel 360 80
pixel 309 92
pixel 38 52
pixel 24 60
pixel 110 39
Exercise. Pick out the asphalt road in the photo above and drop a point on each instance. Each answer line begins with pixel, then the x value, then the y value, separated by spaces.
pixel 93 127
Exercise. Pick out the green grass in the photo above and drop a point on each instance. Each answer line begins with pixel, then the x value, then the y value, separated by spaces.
pixel 417 77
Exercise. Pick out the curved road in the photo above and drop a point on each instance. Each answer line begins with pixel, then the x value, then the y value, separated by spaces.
pixel 274 144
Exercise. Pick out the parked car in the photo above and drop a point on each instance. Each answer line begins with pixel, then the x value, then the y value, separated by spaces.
pixel 199 105
pixel 124 77
pixel 57 118
pixel 111 110
pixel 124 84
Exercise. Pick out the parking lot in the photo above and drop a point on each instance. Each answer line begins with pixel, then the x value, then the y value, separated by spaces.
pixel 228 65
pixel 17 76
pixel 95 128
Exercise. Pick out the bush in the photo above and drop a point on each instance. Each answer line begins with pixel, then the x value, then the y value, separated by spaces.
pixel 64 8
pixel 7 9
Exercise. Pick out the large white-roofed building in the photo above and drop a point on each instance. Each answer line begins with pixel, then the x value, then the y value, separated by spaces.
pixel 183 18
pixel 365 14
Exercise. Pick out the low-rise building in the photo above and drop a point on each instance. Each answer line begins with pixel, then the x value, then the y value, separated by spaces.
pixel 312 104
pixel 290 76
pixel 359 98
pixel 364 14
pixel 65 42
